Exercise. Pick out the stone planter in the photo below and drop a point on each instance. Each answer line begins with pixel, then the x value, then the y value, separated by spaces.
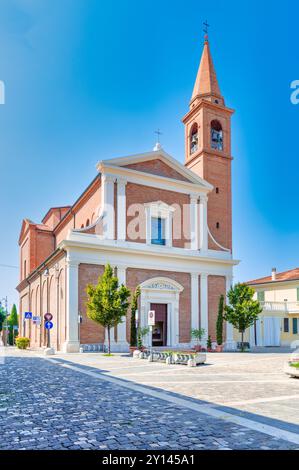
pixel 291 371
pixel 183 358
pixel 219 348
pixel 197 348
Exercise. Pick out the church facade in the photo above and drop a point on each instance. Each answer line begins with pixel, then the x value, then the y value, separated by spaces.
pixel 162 225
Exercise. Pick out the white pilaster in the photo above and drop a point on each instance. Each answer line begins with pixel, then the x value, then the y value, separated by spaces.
pixel 121 345
pixel 121 209
pixel 108 206
pixel 230 344
pixel 203 223
pixel 204 316
pixel 194 303
pixel 72 342
pixel 194 221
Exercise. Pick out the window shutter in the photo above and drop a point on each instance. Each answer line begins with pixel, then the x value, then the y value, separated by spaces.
pixel 295 326
pixel 286 325
pixel 261 296
pixel 298 294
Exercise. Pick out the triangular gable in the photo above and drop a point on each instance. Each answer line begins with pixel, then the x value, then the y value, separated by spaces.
pixel 25 225
pixel 159 163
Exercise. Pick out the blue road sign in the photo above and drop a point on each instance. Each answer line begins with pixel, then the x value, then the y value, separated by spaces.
pixel 48 325
pixel 28 315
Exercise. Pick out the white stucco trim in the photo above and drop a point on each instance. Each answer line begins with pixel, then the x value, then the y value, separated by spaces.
pixel 72 342
pixel 121 209
pixel 108 206
pixel 95 242
pixel 161 155
pixel 155 181
pixel 217 243
pixel 164 211
pixel 161 290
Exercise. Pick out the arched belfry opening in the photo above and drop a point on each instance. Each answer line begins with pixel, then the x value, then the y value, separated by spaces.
pixel 194 139
pixel 216 135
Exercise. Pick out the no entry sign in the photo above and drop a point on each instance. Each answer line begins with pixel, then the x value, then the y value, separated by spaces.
pixel 151 318
pixel 48 316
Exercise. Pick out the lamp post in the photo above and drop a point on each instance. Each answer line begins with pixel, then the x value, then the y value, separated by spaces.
pixel 5 301
pixel 48 316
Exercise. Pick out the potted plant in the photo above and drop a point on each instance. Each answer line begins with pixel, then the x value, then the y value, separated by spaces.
pixel 209 344
pixel 142 332
pixel 219 325
pixel 197 334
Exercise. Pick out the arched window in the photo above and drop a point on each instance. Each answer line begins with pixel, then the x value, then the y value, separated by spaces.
pixel 87 223
pixel 194 139
pixel 216 135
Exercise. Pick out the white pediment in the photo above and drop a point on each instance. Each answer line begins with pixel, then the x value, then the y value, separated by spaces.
pixel 164 157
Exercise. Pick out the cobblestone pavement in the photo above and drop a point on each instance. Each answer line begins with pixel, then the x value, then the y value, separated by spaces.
pixel 248 383
pixel 46 406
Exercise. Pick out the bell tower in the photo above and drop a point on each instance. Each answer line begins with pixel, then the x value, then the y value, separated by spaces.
pixel 208 148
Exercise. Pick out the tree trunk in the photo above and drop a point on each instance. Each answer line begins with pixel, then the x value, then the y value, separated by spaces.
pixel 242 341
pixel 108 339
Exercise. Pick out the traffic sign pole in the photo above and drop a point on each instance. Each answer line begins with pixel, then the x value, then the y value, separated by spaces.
pixel 48 325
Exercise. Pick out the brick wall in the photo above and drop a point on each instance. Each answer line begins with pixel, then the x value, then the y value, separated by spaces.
pixel 90 332
pixel 157 167
pixel 139 194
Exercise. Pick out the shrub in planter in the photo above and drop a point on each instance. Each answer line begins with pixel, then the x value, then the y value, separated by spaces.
pixel 22 342
pixel 197 334
pixel 209 344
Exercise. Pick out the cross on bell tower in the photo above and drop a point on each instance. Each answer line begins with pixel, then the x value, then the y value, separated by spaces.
pixel 208 146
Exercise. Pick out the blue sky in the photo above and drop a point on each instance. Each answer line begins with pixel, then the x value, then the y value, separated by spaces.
pixel 88 80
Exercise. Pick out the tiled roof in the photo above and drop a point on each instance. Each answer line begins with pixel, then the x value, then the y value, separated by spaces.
pixel 290 275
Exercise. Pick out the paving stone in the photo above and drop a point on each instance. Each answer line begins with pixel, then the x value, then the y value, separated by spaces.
pixel 58 408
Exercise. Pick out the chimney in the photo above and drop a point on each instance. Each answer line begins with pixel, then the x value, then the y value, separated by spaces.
pixel 273 274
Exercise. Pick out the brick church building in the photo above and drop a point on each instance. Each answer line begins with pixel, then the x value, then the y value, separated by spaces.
pixel 163 226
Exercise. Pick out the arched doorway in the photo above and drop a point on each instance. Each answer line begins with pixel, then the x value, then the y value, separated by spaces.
pixel 161 294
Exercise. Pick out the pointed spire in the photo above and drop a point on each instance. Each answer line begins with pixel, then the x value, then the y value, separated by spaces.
pixel 206 81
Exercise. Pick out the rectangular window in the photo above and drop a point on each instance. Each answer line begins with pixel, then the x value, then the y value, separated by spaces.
pixel 158 231
pixel 286 325
pixel 295 326
pixel 261 296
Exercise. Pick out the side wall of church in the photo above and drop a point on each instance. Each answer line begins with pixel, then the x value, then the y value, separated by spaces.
pixel 90 332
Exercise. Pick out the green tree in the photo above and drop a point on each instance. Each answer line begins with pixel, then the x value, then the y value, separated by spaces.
pixel 107 301
pixel 134 307
pixel 219 324
pixel 2 317
pixel 242 310
pixel 13 320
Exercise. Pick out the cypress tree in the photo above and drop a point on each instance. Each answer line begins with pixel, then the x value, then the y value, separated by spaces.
pixel 134 307
pixel 219 324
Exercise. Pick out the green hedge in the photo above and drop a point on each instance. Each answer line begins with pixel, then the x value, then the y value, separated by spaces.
pixel 22 342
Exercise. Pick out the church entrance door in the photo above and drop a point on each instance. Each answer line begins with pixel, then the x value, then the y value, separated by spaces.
pixel 159 334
